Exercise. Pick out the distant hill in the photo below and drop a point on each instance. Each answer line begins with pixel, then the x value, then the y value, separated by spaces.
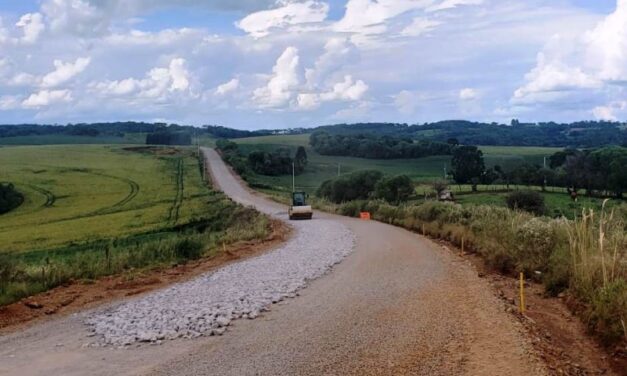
pixel 583 134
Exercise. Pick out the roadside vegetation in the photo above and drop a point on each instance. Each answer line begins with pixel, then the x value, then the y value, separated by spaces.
pixel 517 223
pixel 92 211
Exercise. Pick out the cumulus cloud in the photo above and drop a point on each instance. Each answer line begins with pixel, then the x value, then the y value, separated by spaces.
pixel 45 98
pixel 596 63
pixel 468 94
pixel 227 87
pixel 259 24
pixel 157 84
pixel 32 25
pixel 369 16
pixel 283 81
pixel 607 43
pixel 64 72
pixel 337 52
pixel 348 89
pixel 610 111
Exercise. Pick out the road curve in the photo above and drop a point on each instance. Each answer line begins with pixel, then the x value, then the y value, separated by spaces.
pixel 398 305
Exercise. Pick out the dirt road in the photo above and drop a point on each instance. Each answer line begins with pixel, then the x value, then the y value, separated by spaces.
pixel 399 304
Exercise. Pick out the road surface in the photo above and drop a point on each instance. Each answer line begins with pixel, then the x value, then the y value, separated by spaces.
pixel 398 305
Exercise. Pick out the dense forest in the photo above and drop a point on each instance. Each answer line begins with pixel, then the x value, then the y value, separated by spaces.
pixel 169 138
pixel 375 147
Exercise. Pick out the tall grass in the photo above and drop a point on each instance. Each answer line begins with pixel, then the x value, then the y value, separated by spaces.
pixel 20 278
pixel 586 256
pixel 598 253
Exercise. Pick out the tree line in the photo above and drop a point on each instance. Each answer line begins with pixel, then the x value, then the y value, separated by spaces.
pixel 375 147
pixel 366 184
pixel 275 163
pixel 599 171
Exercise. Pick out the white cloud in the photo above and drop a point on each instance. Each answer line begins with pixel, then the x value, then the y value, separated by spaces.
pixel 157 84
pixel 468 94
pixel 449 4
pixel 369 16
pixel 419 26
pixel 553 76
pixel 46 98
pixel 609 112
pixel 283 82
pixel 260 24
pixel 9 102
pixel 227 87
pixel 24 79
pixel 32 25
pixel 308 101
pixel 338 51
pixel 607 45
pixel 603 113
pixel 347 90
pixel 79 17
pixel 64 72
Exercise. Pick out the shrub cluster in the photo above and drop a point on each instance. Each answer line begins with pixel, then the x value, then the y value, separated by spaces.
pixel 529 201
pixel 366 184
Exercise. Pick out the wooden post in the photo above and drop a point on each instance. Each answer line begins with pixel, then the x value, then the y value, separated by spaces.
pixel 522 293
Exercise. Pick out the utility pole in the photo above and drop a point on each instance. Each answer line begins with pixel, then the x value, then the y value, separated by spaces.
pixel 339 169
pixel 445 171
pixel 293 178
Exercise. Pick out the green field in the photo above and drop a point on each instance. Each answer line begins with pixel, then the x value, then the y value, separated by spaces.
pixel 422 170
pixel 82 193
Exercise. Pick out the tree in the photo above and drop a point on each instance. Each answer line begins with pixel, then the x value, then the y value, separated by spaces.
pixel 395 189
pixel 300 160
pixel 467 164
pixel 354 186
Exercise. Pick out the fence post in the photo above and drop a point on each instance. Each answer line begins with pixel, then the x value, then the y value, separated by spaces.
pixel 522 293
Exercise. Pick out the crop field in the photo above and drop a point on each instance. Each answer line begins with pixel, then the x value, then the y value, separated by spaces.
pixel 84 193
pixel 422 170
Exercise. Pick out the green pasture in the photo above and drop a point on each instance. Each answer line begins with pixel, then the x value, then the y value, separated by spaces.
pixel 422 170
pixel 80 193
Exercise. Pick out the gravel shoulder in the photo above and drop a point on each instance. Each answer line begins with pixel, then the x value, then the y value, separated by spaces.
pixel 398 305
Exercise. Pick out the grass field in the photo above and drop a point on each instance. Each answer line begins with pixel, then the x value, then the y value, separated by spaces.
pixel 425 170
pixel 82 193
pixel 422 171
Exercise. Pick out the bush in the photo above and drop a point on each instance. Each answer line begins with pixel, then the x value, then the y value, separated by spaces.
pixel 188 248
pixel 355 186
pixel 10 198
pixel 530 201
pixel 395 189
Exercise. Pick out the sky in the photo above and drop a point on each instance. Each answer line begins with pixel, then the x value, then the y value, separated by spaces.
pixel 253 64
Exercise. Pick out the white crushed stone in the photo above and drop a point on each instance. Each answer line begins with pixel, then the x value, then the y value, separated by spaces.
pixel 207 305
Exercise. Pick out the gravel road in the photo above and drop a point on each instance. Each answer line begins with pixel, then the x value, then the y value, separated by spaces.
pixel 398 305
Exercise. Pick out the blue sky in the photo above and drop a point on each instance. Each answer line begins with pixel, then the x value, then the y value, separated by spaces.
pixel 290 63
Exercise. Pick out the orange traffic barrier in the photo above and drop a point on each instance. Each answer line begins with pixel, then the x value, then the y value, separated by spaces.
pixel 365 216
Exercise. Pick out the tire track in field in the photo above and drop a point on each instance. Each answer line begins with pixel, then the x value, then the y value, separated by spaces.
pixel 50 197
pixel 173 214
